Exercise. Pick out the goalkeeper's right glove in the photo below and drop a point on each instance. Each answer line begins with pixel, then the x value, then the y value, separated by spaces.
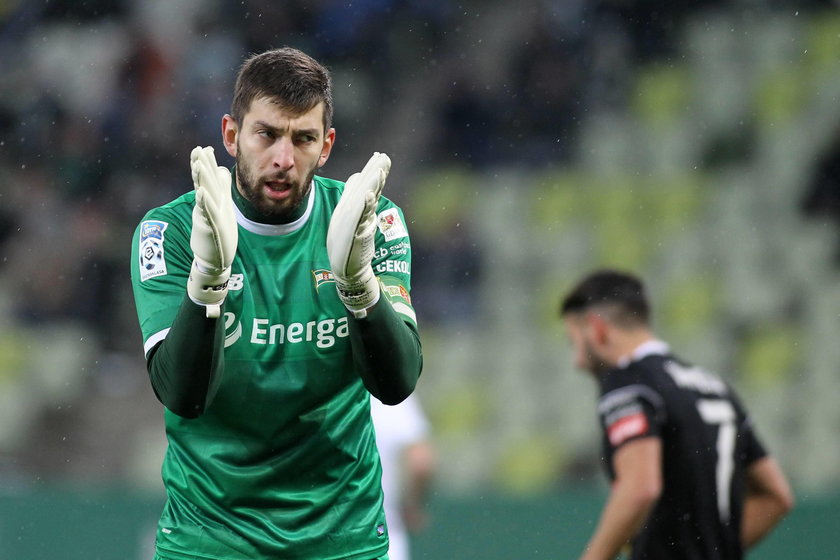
pixel 214 232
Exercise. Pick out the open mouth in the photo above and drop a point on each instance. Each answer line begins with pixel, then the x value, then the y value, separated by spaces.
pixel 277 189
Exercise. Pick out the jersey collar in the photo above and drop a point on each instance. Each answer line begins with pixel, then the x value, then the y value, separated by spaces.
pixel 277 229
pixel 653 347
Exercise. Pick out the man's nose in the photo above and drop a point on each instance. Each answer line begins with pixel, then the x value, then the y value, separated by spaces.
pixel 283 156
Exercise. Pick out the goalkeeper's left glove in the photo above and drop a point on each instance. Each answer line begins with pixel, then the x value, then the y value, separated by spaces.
pixel 350 236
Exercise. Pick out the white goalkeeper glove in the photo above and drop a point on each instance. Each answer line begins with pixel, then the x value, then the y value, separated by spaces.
pixel 214 231
pixel 350 236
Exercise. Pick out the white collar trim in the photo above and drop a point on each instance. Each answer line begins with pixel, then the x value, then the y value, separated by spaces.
pixel 277 229
pixel 643 350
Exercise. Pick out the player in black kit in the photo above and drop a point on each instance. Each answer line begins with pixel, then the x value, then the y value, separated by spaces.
pixel 690 479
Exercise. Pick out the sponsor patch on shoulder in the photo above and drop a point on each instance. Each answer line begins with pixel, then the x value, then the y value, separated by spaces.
pixel 391 225
pixel 397 292
pixel 404 294
pixel 152 261
pixel 624 428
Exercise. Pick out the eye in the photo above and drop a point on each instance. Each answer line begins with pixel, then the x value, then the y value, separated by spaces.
pixel 265 133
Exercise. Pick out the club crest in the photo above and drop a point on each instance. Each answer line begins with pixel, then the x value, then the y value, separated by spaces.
pixel 391 225
pixel 322 276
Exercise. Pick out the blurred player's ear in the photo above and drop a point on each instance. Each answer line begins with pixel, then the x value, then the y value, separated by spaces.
pixel 598 327
pixel 229 131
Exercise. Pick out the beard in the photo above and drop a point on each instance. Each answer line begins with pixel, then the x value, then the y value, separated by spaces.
pixel 273 211
pixel 595 363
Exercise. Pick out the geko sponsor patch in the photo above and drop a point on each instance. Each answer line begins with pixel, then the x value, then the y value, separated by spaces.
pixel 152 261
pixel 391 225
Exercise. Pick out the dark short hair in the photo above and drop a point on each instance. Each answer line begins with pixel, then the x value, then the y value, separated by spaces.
pixel 620 292
pixel 286 76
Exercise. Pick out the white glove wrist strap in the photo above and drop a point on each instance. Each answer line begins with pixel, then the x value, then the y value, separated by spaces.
pixel 362 313
pixel 360 293
pixel 208 289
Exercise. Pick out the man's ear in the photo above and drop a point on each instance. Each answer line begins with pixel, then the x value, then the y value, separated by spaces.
pixel 326 147
pixel 230 129
pixel 598 327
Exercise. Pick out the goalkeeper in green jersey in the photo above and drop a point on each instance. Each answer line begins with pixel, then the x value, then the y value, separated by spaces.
pixel 272 302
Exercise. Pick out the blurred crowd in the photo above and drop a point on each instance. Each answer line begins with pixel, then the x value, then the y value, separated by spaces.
pixel 101 101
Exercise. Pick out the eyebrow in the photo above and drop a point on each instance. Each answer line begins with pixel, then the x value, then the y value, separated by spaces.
pixel 297 132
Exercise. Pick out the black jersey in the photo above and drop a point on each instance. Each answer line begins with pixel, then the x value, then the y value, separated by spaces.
pixel 707 443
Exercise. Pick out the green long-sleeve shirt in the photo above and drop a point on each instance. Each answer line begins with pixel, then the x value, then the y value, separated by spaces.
pixel 271 450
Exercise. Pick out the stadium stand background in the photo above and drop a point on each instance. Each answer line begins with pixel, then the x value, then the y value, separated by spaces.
pixel 531 141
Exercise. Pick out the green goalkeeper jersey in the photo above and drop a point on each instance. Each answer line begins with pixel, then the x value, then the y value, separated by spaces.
pixel 283 463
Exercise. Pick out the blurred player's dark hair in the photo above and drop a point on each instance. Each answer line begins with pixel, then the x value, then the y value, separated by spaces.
pixel 619 295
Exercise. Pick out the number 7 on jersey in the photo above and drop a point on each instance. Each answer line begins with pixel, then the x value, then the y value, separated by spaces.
pixel 720 413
